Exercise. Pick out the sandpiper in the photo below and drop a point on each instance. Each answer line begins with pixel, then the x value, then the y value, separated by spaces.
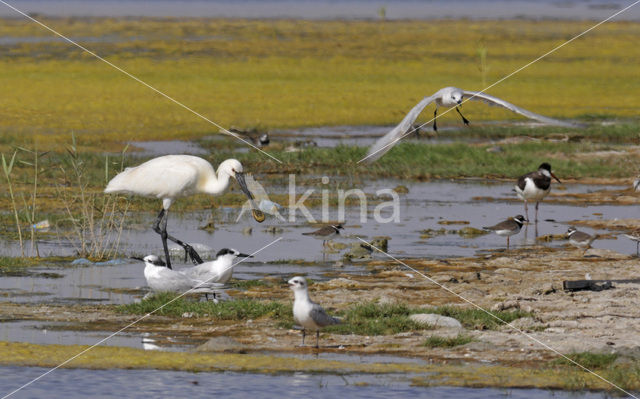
pixel 308 314
pixel 535 186
pixel 635 236
pixel 580 239
pixel 507 227
pixel 326 233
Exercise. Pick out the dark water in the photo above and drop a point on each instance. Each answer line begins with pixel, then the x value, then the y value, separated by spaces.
pixel 332 9
pixel 145 384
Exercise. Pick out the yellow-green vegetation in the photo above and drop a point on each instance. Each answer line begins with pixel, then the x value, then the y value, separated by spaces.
pixel 288 73
pixel 101 357
pixel 437 341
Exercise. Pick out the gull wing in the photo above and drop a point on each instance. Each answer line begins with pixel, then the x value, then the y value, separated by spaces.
pixel 384 144
pixel 491 100
pixel 320 317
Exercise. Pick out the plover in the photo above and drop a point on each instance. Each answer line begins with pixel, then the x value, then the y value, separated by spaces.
pixel 635 236
pixel 308 314
pixel 580 239
pixel 218 270
pixel 508 227
pixel 326 233
pixel 535 186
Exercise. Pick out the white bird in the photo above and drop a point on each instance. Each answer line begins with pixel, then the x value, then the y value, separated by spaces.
pixel 535 186
pixel 161 279
pixel 173 176
pixel 448 97
pixel 218 270
pixel 307 313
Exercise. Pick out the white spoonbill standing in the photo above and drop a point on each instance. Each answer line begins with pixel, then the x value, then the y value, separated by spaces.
pixel 173 176
pixel 448 97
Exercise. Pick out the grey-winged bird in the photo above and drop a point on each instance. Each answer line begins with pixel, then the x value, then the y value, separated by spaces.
pixel 308 314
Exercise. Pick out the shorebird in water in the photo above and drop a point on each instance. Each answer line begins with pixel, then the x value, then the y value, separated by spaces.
pixel 508 227
pixel 173 176
pixel 534 186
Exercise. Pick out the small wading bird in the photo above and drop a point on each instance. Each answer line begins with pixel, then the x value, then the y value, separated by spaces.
pixel 219 270
pixel 535 186
pixel 325 233
pixel 161 279
pixel 448 97
pixel 635 236
pixel 580 239
pixel 308 314
pixel 508 227
pixel 173 176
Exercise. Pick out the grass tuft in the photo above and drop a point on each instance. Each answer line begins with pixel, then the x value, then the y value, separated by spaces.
pixel 240 309
pixel 437 341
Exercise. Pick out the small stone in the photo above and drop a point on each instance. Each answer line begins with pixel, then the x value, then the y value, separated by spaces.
pixel 435 320
pixel 381 243
pixel 548 289
pixel 247 231
pixel 401 189
pixel 221 344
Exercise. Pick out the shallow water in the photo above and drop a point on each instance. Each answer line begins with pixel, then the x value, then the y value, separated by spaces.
pixel 80 383
pixel 422 208
pixel 331 9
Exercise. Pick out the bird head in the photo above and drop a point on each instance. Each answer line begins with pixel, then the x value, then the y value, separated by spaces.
pixel 545 169
pixel 455 96
pixel 152 259
pixel 231 253
pixel 571 231
pixel 298 283
pixel 520 219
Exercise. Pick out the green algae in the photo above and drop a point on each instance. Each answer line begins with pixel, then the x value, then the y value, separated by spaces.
pixel 467 375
